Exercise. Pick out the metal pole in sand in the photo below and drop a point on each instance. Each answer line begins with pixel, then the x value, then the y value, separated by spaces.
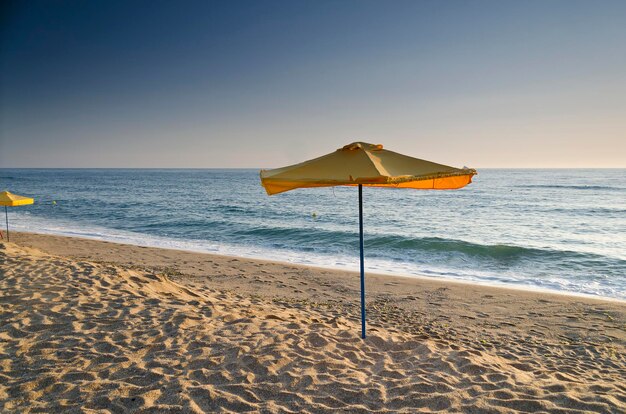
pixel 362 263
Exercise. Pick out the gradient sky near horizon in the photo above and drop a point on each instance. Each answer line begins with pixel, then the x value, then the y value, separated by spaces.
pixel 270 83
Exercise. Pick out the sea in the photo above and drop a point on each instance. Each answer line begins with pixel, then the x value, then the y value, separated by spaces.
pixel 560 230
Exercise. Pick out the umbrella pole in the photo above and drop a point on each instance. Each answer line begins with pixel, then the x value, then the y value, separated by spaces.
pixel 362 264
pixel 6 215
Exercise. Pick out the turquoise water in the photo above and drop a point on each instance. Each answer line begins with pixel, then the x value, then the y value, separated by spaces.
pixel 562 230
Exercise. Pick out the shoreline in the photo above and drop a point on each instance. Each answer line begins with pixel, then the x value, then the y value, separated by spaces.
pixel 443 280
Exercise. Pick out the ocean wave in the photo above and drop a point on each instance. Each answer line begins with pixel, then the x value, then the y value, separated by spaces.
pixel 396 246
pixel 574 187
pixel 587 211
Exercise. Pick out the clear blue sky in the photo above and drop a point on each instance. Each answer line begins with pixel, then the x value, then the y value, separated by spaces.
pixel 270 83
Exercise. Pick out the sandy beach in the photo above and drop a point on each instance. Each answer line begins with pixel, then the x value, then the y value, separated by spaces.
pixel 92 326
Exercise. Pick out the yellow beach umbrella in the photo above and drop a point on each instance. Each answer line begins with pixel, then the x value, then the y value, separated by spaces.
pixel 8 199
pixel 362 164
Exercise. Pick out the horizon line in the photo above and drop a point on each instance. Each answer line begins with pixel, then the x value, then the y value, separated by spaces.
pixel 265 168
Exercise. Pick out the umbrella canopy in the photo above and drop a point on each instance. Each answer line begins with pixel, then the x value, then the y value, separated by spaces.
pixel 368 165
pixel 8 199
pixel 11 200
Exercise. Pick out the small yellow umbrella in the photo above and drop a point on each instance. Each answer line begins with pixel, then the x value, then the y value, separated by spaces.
pixel 8 199
pixel 368 165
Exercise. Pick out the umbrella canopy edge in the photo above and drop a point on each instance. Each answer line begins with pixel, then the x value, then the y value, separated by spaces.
pixel 440 181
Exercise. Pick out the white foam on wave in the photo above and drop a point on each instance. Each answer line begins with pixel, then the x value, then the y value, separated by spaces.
pixel 28 223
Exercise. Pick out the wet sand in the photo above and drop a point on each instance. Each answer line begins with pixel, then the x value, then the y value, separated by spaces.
pixel 103 326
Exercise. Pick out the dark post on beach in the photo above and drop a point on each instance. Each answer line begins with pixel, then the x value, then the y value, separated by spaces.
pixel 362 264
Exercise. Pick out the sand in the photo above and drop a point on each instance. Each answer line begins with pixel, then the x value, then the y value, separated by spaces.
pixel 90 326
